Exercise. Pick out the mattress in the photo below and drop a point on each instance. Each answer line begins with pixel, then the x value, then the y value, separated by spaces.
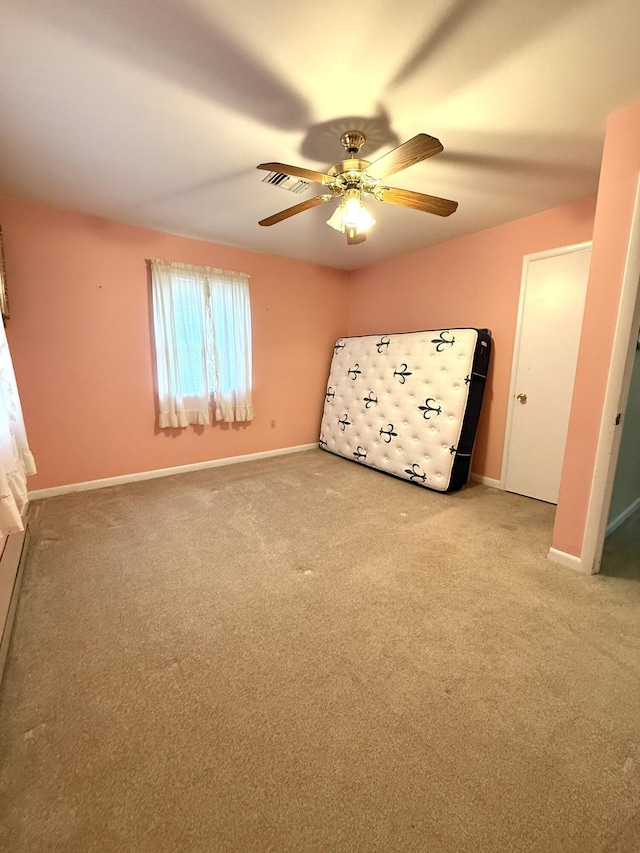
pixel 408 404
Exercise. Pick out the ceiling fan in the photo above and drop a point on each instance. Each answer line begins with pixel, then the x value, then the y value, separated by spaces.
pixel 353 178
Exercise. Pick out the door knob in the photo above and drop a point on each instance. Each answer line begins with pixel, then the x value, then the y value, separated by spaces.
pixel 522 398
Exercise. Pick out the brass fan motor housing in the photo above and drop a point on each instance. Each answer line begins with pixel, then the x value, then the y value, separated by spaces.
pixel 347 166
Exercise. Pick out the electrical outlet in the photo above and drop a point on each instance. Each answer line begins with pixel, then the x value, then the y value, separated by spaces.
pixel 272 424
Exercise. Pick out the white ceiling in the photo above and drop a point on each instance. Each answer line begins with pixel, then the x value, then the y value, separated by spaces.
pixel 156 112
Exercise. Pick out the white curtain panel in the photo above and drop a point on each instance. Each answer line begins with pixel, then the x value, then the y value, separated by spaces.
pixel 202 328
pixel 179 319
pixel 231 339
pixel 16 460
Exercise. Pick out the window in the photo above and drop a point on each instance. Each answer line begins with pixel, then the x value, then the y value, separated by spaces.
pixel 202 325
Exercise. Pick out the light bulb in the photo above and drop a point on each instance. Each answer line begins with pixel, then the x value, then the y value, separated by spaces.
pixel 351 214
pixel 365 220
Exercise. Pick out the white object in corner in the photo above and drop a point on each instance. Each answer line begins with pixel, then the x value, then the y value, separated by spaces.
pixel 163 472
pixel 568 560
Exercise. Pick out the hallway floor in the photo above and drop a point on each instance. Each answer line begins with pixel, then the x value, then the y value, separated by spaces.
pixel 621 557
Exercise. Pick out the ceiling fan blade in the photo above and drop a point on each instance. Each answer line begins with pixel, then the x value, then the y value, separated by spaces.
pixel 297 172
pixel 413 151
pixel 297 208
pixel 417 201
pixel 354 238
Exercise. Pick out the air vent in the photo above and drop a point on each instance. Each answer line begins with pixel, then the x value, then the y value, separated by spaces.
pixel 286 182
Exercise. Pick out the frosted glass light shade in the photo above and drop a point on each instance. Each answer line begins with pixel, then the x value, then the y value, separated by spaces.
pixel 351 214
pixel 335 220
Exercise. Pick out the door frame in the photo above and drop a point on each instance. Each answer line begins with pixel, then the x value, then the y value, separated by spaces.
pixel 615 402
pixel 526 260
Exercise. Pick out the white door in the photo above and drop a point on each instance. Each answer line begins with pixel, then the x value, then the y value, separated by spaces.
pixel 552 297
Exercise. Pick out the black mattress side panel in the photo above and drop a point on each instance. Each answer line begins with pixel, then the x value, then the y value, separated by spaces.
pixel 479 371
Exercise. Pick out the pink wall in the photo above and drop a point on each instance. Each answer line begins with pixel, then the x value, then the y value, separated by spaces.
pixel 80 337
pixel 470 281
pixel 616 193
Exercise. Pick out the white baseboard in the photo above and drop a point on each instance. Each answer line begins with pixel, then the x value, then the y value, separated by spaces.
pixel 622 517
pixel 568 560
pixel 486 481
pixel 163 472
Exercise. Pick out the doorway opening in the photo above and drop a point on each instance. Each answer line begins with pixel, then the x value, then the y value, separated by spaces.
pixel 615 405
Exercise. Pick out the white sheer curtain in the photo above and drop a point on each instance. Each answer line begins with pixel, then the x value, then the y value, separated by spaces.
pixel 202 328
pixel 16 461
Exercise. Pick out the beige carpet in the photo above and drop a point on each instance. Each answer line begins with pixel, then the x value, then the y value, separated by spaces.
pixel 301 654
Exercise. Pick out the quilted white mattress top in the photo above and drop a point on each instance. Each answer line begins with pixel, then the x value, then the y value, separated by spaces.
pixel 397 402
